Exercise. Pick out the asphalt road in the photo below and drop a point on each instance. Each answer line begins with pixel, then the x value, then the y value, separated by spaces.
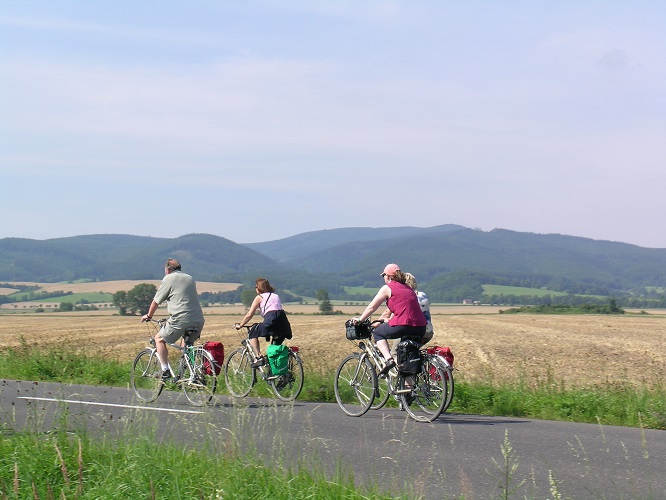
pixel 458 455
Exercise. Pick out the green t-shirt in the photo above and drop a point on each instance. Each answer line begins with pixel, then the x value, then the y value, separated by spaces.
pixel 179 290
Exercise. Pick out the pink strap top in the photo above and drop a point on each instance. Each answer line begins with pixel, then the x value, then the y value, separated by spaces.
pixel 404 305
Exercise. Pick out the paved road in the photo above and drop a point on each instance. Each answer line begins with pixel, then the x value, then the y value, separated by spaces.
pixel 458 455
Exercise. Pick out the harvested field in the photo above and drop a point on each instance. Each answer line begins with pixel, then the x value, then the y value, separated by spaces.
pixel 577 350
pixel 114 286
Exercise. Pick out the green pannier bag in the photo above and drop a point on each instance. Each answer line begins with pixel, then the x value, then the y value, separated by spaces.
pixel 278 359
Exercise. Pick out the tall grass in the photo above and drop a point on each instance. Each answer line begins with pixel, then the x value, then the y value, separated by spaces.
pixel 617 403
pixel 620 404
pixel 74 465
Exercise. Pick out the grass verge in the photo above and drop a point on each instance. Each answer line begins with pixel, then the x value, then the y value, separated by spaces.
pixel 618 403
pixel 66 464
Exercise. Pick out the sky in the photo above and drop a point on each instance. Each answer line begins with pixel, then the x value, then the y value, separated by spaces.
pixel 260 120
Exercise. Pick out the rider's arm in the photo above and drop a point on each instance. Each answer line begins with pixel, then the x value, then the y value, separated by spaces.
pixel 386 315
pixel 253 309
pixel 151 311
pixel 382 295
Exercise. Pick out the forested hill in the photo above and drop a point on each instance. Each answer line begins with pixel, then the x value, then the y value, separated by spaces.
pixel 437 251
pixel 105 257
pixel 305 245
pixel 444 259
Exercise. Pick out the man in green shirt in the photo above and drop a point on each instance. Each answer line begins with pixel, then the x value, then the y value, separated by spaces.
pixel 179 290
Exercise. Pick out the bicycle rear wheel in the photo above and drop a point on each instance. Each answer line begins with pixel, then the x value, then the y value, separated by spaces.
pixel 426 401
pixel 447 370
pixel 146 377
pixel 199 382
pixel 287 387
pixel 355 385
pixel 238 374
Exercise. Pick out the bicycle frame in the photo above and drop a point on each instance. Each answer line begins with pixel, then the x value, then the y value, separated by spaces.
pixel 195 375
pixel 423 395
pixel 240 376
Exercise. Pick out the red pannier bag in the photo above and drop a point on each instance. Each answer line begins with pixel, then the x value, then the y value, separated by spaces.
pixel 443 352
pixel 216 349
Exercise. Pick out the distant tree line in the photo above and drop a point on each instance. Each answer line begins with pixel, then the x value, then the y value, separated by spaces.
pixel 610 307
pixel 136 301
pixel 242 295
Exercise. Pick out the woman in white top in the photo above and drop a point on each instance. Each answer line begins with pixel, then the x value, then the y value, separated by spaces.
pixel 275 322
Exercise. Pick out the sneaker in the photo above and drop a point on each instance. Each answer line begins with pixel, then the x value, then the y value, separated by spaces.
pixel 261 361
pixel 410 398
pixel 166 375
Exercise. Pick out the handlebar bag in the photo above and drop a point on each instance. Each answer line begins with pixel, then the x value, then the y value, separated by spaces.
pixel 356 332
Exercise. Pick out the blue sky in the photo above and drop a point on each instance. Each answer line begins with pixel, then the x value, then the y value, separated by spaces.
pixel 258 120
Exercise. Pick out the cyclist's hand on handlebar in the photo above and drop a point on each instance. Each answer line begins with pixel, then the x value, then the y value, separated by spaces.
pixel 237 326
pixel 145 318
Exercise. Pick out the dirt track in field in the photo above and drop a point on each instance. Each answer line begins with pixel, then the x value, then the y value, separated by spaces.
pixel 580 350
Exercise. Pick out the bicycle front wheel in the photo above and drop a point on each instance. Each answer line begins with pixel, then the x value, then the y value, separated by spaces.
pixel 146 377
pixel 287 387
pixel 355 385
pixel 426 401
pixel 199 380
pixel 238 374
pixel 382 393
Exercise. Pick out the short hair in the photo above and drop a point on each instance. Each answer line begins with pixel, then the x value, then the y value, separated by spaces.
pixel 264 286
pixel 410 280
pixel 172 265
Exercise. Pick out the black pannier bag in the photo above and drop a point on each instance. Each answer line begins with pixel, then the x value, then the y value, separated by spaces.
pixel 409 357
pixel 357 332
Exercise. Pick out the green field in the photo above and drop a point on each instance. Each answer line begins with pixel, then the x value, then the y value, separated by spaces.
pixel 80 298
pixel 518 290
pixel 360 290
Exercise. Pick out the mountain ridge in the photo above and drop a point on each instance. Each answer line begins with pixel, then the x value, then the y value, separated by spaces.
pixel 351 257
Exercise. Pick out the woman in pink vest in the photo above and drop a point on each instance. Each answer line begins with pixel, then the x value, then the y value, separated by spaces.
pixel 407 319
pixel 275 323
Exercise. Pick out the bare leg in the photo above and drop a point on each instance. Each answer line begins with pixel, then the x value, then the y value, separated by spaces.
pixel 162 352
pixel 255 346
pixel 383 347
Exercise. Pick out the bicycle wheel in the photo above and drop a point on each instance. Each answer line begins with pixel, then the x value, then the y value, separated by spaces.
pixel 199 382
pixel 425 402
pixel 146 378
pixel 287 387
pixel 382 393
pixel 355 385
pixel 447 370
pixel 238 374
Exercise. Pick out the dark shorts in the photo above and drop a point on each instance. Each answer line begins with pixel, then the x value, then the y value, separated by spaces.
pixel 275 325
pixel 388 332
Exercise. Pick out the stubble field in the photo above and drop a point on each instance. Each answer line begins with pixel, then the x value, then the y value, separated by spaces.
pixel 577 350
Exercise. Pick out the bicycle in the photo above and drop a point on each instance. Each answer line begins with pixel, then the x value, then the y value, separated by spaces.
pixel 196 374
pixel 240 377
pixel 434 357
pixel 356 385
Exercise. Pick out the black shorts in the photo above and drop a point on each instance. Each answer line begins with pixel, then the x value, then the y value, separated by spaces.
pixel 388 332
pixel 275 325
